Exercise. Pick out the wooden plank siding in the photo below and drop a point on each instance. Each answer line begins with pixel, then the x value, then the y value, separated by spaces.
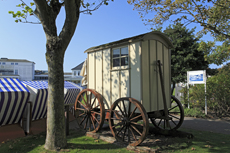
pixel 135 71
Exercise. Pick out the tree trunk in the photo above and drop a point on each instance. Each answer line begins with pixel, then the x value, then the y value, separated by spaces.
pixel 55 134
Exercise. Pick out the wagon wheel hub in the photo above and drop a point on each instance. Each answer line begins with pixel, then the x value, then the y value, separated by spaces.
pixel 126 121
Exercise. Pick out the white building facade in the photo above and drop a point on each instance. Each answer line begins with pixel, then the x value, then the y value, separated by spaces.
pixel 17 68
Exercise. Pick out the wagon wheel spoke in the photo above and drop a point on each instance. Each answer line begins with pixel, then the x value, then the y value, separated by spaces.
pixel 116 119
pixel 95 119
pixel 137 123
pixel 133 134
pixel 86 123
pixel 91 119
pixel 118 124
pixel 97 106
pixel 173 116
pixel 129 109
pixel 92 122
pixel 121 110
pixel 82 104
pixel 173 107
pixel 120 130
pixel 173 122
pixel 159 122
pixel 123 137
pixel 135 117
pixel 80 109
pixel 81 114
pixel 90 97
pixel 117 115
pixel 83 119
pixel 96 112
pixel 125 127
pixel 176 114
pixel 133 111
pixel 93 101
pixel 124 107
pixel 136 129
pixel 128 135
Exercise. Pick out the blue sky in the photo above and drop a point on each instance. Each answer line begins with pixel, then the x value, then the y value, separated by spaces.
pixel 109 23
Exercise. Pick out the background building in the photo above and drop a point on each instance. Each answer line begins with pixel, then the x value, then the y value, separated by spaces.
pixel 75 77
pixel 17 68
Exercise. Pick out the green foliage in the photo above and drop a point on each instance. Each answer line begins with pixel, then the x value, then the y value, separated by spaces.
pixel 26 10
pixel 194 112
pixel 218 93
pixel 212 15
pixel 185 55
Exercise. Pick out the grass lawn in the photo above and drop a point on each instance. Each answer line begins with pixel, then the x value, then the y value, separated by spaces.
pixel 77 142
pixel 202 142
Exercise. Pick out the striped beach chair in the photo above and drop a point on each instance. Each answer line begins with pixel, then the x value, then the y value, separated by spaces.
pixel 39 95
pixel 13 100
pixel 71 90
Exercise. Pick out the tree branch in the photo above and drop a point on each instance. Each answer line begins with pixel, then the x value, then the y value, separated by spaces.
pixel 72 9
pixel 46 16
pixel 88 11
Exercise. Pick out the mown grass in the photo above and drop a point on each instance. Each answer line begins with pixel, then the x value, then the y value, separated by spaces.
pixel 202 142
pixel 76 142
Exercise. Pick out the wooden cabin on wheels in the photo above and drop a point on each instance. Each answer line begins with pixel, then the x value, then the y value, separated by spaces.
pixel 128 83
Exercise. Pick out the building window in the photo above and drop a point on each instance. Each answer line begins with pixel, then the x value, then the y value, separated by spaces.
pixel 3 63
pixel 12 63
pixel 16 72
pixel 74 73
pixel 0 63
pixel 120 57
pixel 16 63
pixel 78 73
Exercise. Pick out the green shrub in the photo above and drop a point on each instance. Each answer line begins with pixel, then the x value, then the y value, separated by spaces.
pixel 218 94
pixel 194 112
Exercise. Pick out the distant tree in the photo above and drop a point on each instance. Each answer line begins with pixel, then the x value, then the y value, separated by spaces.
pixel 185 54
pixel 56 44
pixel 212 15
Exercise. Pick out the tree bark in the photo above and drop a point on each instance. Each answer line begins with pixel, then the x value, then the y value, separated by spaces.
pixel 56 136
pixel 55 50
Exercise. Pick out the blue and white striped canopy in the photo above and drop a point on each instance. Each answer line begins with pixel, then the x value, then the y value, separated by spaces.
pixel 39 96
pixel 13 99
pixel 71 91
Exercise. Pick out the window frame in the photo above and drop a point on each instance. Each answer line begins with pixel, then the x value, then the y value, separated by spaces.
pixel 119 57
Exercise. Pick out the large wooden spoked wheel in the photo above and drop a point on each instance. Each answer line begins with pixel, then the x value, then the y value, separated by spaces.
pixel 128 121
pixel 175 117
pixel 90 111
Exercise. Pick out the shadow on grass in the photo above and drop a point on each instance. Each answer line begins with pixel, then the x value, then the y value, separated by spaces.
pixel 202 142
pixel 76 141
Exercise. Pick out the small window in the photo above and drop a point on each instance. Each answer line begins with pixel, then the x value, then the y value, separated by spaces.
pixel 12 63
pixel 0 63
pixel 3 63
pixel 74 73
pixel 16 72
pixel 16 63
pixel 120 57
pixel 78 73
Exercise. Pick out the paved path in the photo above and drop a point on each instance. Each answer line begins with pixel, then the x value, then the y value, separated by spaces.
pixel 216 126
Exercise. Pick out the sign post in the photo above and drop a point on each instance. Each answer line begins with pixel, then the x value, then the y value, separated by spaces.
pixel 197 77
